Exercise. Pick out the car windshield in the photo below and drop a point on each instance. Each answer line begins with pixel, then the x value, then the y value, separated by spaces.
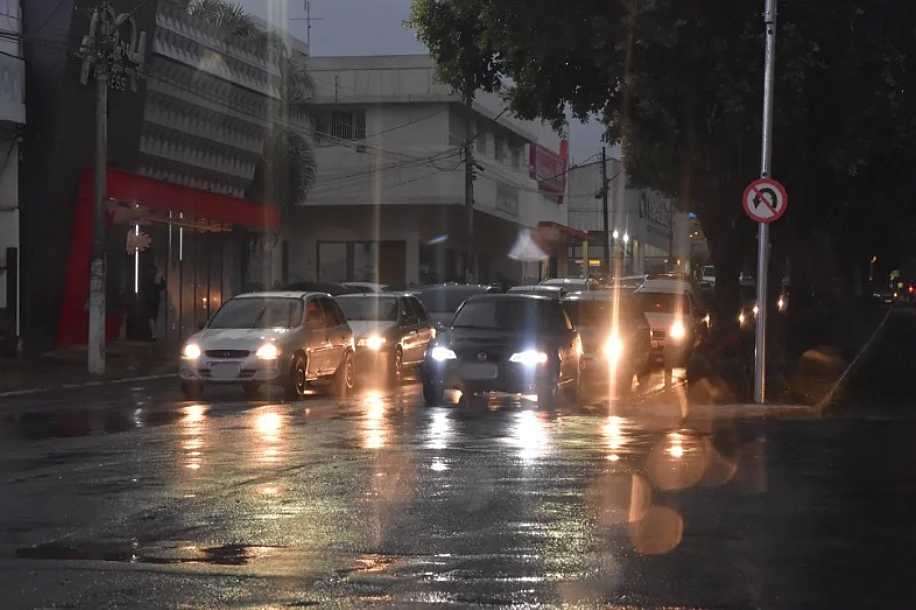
pixel 446 300
pixel 258 312
pixel 526 315
pixel 599 314
pixel 369 308
pixel 663 302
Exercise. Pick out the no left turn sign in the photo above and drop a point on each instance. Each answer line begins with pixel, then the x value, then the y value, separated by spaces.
pixel 765 200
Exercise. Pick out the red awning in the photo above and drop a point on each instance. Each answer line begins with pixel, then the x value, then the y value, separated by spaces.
pixel 194 204
pixel 554 231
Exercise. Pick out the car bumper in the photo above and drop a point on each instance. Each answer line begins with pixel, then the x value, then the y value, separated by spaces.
pixel 472 377
pixel 231 371
pixel 372 363
pixel 596 373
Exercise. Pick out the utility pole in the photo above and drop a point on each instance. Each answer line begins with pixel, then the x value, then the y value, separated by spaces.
pixel 604 211
pixel 115 63
pixel 470 268
pixel 308 19
pixel 763 229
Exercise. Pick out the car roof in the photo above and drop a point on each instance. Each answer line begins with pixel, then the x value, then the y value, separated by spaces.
pixel 455 287
pixel 279 294
pixel 541 287
pixel 375 295
pixel 600 295
pixel 665 286
pixel 513 296
pixel 563 280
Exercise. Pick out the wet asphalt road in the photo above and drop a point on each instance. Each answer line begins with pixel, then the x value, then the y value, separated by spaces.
pixel 127 496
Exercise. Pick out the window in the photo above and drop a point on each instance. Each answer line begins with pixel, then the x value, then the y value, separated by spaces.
pixel 499 148
pixel 512 314
pixel 517 157
pixel 314 315
pixel 370 308
pixel 340 124
pixel 418 308
pixel 407 313
pixel 252 312
pixel 332 313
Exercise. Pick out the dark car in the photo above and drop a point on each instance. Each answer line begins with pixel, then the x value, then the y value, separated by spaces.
pixel 616 342
pixel 443 300
pixel 515 344
pixel 391 331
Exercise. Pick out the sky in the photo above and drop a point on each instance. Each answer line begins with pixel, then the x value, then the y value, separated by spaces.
pixel 376 27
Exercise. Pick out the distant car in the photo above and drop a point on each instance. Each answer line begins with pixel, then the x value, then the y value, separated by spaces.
pixel 443 300
pixel 365 286
pixel 571 284
pixel 544 290
pixel 616 343
pixel 615 337
pixel 330 288
pixel 510 343
pixel 391 330
pixel 676 319
pixel 288 338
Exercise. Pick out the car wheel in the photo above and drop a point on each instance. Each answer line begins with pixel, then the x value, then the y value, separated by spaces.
pixel 344 377
pixel 192 390
pixel 250 390
pixel 396 368
pixel 296 382
pixel 432 393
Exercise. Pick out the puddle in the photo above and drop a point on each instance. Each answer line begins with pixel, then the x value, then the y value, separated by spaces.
pixel 177 553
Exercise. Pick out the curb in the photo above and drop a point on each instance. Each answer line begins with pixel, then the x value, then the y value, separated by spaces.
pixel 85 384
pixel 824 402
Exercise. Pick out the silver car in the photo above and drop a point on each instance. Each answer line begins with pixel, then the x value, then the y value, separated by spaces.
pixel 292 339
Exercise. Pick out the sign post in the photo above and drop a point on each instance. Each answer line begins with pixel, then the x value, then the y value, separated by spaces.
pixel 763 227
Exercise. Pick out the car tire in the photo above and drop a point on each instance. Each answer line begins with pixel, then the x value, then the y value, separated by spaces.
pixel 251 390
pixel 396 368
pixel 192 390
pixel 345 377
pixel 296 380
pixel 432 393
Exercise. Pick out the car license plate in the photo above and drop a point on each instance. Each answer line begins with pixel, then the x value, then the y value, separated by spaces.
pixel 224 370
pixel 479 371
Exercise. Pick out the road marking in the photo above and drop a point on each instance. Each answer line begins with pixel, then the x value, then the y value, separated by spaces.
pixel 86 384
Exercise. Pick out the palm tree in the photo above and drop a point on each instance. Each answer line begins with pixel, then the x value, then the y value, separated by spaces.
pixel 287 168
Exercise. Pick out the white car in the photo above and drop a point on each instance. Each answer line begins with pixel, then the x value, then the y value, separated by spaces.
pixel 292 339
pixel 675 319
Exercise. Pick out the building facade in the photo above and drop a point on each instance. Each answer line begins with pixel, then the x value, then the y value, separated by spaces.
pixel 12 122
pixel 388 204
pixel 184 152
pixel 644 227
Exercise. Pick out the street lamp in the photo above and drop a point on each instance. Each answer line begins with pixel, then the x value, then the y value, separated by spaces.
pixel 615 234
pixel 626 238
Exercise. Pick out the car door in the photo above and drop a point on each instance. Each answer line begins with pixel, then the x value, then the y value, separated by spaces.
pixel 568 338
pixel 407 329
pixel 424 333
pixel 317 340
pixel 339 333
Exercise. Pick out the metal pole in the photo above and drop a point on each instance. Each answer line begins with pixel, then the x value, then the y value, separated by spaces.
pixel 96 346
pixel 763 229
pixel 604 212
pixel 469 267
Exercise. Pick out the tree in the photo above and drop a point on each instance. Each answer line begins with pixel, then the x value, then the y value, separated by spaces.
pixel 678 84
pixel 287 168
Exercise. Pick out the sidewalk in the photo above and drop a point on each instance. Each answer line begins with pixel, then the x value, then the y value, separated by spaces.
pixel 63 368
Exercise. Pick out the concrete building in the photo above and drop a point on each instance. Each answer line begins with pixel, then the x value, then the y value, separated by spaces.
pixel 185 149
pixel 388 204
pixel 12 122
pixel 643 224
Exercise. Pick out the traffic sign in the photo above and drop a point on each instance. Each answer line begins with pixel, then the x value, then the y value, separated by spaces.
pixel 765 200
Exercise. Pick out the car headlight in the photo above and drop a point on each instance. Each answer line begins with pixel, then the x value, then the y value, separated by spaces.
pixel 268 351
pixel 441 354
pixel 677 331
pixel 191 351
pixel 373 342
pixel 613 348
pixel 781 304
pixel 529 357
pixel 741 319
pixel 756 310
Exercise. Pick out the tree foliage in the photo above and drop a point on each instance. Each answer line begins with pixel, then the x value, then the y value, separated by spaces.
pixel 679 84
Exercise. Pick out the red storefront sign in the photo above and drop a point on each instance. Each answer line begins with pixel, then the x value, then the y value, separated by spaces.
pixel 549 168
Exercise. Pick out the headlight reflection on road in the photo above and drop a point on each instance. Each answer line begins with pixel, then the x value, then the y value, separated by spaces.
pixel 268 426
pixel 374 427
pixel 439 431
pixel 529 434
pixel 193 424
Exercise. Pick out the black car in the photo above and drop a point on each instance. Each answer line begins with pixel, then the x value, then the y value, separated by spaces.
pixel 511 343
pixel 443 300
pixel 616 342
pixel 391 331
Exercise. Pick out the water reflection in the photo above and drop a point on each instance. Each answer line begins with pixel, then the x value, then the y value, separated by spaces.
pixel 193 423
pixel 374 428
pixel 439 431
pixel 269 424
pixel 529 433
